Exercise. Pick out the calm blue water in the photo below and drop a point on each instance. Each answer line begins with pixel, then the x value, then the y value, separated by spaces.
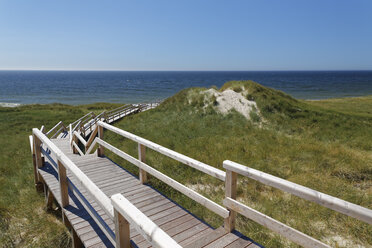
pixel 80 87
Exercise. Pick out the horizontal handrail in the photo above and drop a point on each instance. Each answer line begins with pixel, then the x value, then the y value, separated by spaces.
pixel 81 118
pixel 211 205
pixel 272 224
pixel 102 200
pixel 53 128
pixel 58 132
pixel 148 229
pixel 118 108
pixel 76 126
pixel 212 171
pixel 120 112
pixel 348 208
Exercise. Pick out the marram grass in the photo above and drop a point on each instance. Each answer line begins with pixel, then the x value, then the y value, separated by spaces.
pixel 325 145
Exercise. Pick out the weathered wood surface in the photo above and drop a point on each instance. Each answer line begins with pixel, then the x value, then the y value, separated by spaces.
pixel 334 203
pixel 112 179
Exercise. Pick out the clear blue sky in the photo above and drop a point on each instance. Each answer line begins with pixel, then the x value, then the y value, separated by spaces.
pixel 187 35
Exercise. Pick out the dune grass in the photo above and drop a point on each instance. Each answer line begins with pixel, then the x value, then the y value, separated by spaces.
pixel 312 145
pixel 319 144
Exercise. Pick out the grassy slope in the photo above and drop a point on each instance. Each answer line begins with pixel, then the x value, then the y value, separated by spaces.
pixel 23 221
pixel 316 144
pixel 300 141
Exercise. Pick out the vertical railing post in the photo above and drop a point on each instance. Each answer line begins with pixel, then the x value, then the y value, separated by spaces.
pixel 76 141
pixel 142 158
pixel 230 191
pixel 37 151
pixel 70 136
pixel 34 162
pixel 38 161
pixel 100 150
pixel 63 184
pixel 122 231
pixel 105 117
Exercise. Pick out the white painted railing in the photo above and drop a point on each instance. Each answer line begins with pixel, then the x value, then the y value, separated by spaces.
pixel 211 205
pixel 232 169
pixel 210 170
pixel 144 168
pixel 126 213
pixel 65 163
pixel 118 209
pixel 53 130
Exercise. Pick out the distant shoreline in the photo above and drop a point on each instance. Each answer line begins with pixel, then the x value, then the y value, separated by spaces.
pixel 13 105
pixel 84 87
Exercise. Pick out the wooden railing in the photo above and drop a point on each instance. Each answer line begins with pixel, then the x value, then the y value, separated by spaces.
pixel 122 212
pixel 54 131
pixel 118 208
pixel 126 213
pixel 78 133
pixel 144 168
pixel 232 169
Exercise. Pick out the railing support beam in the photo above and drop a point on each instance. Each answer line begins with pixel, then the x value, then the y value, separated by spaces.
pixel 230 191
pixel 38 161
pixel 63 184
pixel 100 150
pixel 76 242
pixel 142 158
pixel 122 231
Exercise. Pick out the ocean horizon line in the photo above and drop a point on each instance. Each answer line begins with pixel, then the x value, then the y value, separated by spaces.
pixel 123 70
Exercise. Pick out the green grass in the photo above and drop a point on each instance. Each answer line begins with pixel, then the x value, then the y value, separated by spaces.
pixel 23 219
pixel 312 145
pixel 325 145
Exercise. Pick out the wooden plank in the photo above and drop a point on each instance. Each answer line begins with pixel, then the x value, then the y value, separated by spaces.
pixel 190 232
pixel 207 238
pixel 241 242
pixel 143 224
pixel 152 199
pixel 223 241
pixel 159 209
pixel 196 236
pixel 182 227
pixel 154 204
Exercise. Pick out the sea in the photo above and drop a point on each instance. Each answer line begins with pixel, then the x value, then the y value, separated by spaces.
pixel 83 87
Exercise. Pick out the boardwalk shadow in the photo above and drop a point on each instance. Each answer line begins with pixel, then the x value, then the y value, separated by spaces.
pixel 78 209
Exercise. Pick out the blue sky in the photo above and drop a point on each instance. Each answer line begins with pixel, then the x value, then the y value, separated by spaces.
pixel 186 35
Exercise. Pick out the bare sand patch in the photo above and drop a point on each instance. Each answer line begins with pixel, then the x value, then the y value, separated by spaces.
pixel 230 100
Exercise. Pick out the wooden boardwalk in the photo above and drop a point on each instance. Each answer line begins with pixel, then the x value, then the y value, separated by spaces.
pixel 182 226
pixel 106 206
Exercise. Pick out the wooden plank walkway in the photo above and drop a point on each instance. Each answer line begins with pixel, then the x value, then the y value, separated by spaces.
pixel 182 226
